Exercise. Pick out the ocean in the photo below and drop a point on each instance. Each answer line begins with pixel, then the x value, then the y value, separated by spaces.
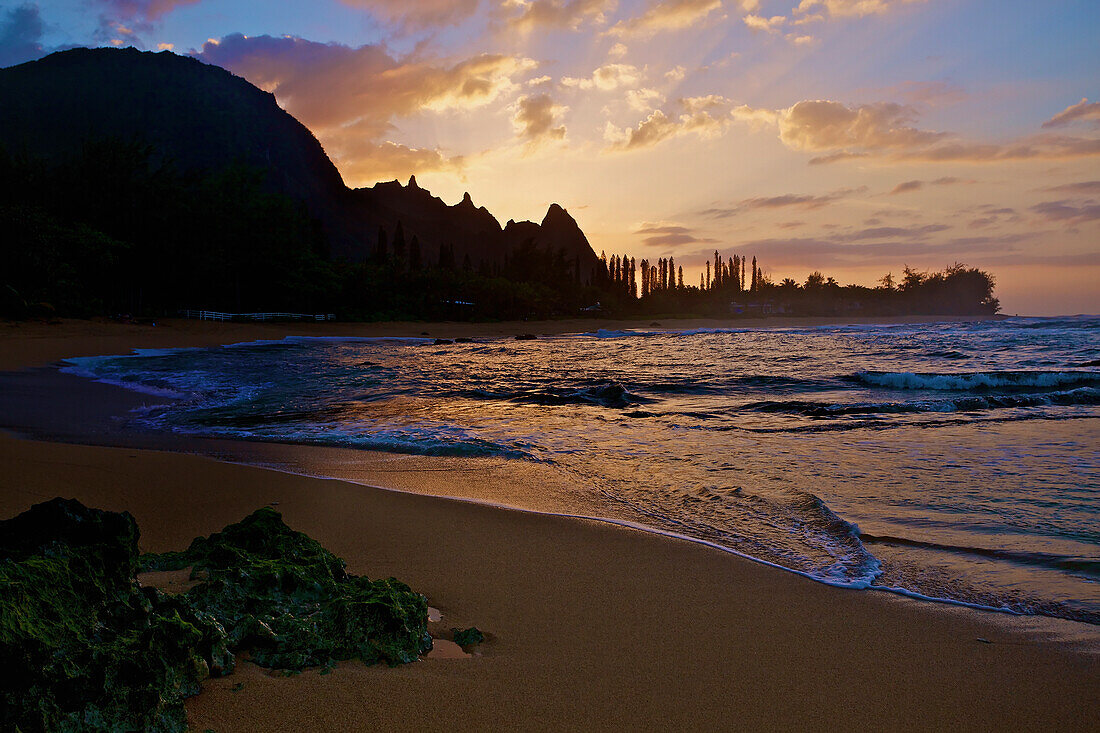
pixel 956 461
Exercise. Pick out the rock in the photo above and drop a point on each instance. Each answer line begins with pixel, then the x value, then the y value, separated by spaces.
pixel 83 646
pixel 467 637
pixel 526 337
pixel 443 342
pixel 282 596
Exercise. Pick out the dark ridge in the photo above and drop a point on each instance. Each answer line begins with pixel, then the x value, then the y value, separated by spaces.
pixel 202 117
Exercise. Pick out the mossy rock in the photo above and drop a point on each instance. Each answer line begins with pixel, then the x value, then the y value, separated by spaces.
pixel 289 601
pixel 467 637
pixel 84 647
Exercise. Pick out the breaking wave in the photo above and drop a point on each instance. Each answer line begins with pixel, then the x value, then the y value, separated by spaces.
pixel 978 381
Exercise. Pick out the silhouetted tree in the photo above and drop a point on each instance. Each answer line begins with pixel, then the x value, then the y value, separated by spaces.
pixel 381 252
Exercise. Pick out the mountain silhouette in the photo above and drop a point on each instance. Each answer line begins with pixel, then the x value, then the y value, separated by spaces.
pixel 201 117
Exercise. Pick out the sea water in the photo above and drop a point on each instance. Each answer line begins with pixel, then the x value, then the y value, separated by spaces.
pixel 956 461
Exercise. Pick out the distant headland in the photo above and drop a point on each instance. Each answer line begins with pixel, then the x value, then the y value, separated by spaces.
pixel 148 183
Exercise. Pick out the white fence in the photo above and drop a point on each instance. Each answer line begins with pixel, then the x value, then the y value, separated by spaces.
pixel 219 316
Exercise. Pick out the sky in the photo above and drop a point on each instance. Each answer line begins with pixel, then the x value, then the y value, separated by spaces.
pixel 854 137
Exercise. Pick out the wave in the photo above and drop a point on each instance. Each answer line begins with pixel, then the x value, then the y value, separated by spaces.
pixel 841 539
pixel 1079 396
pixel 977 381
pixel 412 441
pixel 607 394
pixel 1080 565
pixel 154 390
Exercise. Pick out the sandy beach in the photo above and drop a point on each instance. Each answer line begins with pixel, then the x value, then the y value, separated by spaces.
pixel 589 625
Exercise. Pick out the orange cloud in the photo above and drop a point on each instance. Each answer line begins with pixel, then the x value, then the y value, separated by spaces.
pixel 760 23
pixel 362 160
pixel 663 15
pixel 557 13
pixel 349 97
pixel 1083 111
pixel 658 127
pixel 420 13
pixel 852 8
pixel 884 129
pixel 825 125
pixel 325 85
pixel 608 77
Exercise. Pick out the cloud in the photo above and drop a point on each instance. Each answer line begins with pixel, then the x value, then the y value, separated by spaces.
pixel 534 119
pixel 760 23
pixel 800 200
pixel 852 8
pixel 841 250
pixel 658 126
pixel 143 9
pixel 670 235
pixel 349 97
pixel 1065 211
pixel 557 13
pixel 918 232
pixel 418 13
pixel 328 84
pixel 885 129
pixel 706 116
pixel 606 78
pixel 800 40
pixel 20 35
pixel 907 186
pixel 1083 187
pixel 643 100
pixel 665 15
pixel 1083 111
pixel 708 103
pixel 363 159
pixel 821 125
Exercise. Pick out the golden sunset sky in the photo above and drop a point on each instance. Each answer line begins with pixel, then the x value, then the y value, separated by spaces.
pixel 848 136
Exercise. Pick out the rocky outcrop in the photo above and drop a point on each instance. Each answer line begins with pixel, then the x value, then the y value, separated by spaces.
pixel 84 647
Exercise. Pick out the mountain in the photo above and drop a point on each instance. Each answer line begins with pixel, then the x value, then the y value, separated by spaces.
pixel 202 118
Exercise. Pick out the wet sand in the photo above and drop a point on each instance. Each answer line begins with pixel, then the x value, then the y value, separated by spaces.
pixel 589 625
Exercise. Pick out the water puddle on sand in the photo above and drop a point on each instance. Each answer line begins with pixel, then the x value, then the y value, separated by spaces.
pixel 442 648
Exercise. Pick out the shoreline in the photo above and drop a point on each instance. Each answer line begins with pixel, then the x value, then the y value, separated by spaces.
pixel 562 601
pixel 571 606
pixel 498 482
pixel 26 344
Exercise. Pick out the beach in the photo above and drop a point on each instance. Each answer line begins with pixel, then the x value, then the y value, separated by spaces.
pixel 588 624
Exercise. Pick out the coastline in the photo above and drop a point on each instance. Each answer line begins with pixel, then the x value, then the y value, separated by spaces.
pixel 590 624
pixel 29 344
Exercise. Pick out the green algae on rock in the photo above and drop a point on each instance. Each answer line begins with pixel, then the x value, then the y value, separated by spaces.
pixel 467 637
pixel 82 646
pixel 286 599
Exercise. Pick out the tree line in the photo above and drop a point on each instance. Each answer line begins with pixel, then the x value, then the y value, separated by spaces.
pixel 734 285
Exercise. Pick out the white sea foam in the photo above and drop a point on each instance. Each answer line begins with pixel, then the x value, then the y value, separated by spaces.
pixel 977 380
